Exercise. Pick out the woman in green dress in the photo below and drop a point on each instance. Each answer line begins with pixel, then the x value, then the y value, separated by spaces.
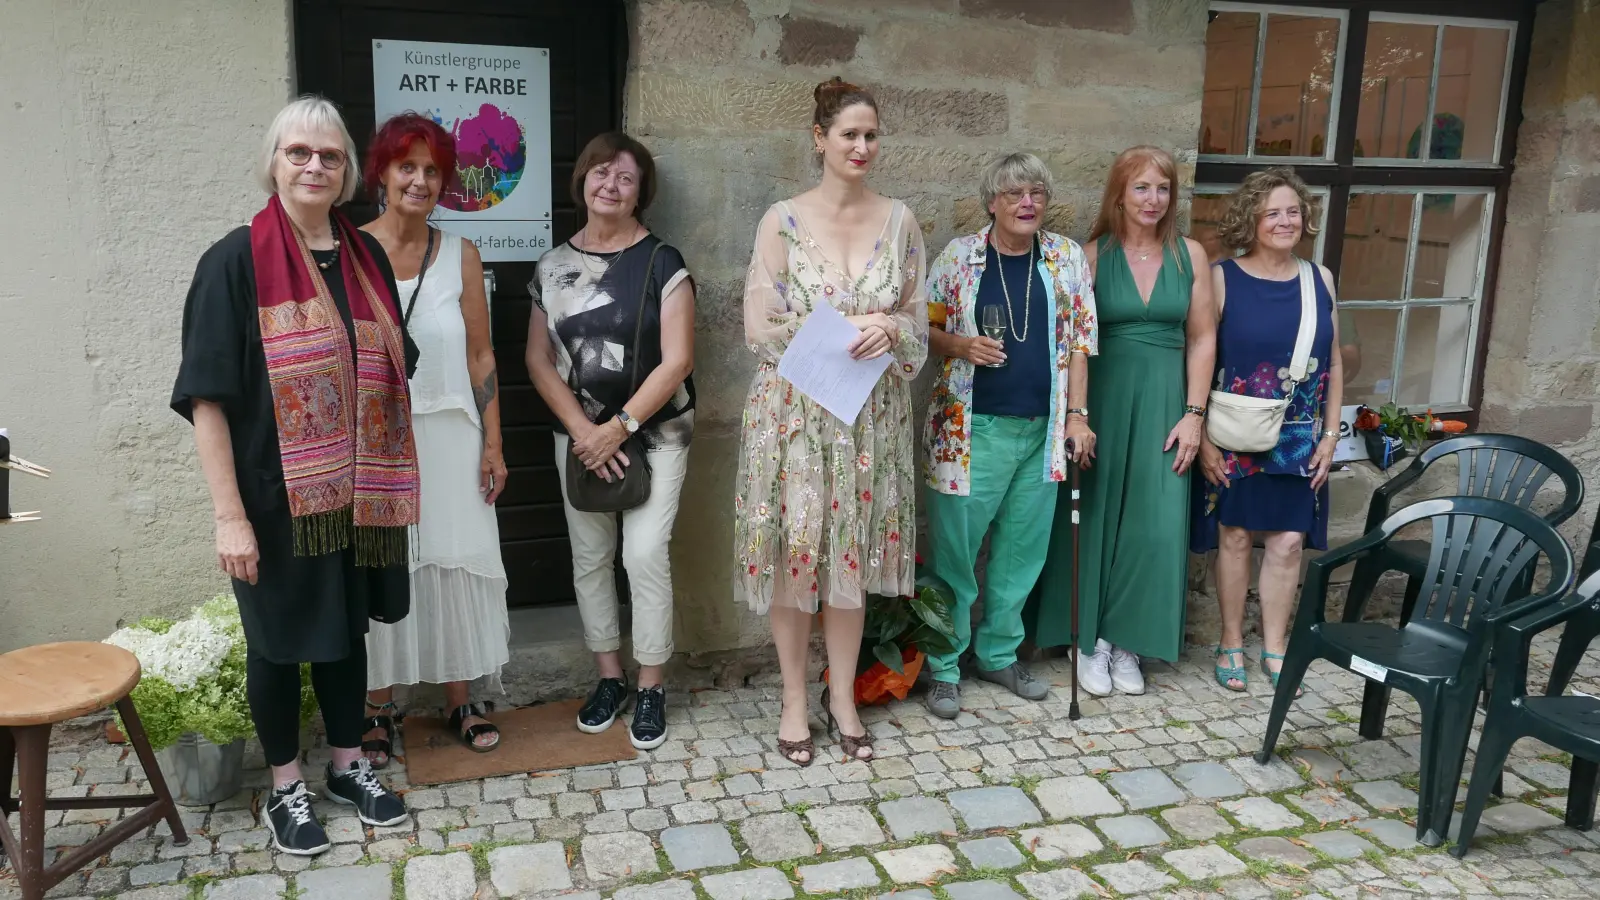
pixel 1147 395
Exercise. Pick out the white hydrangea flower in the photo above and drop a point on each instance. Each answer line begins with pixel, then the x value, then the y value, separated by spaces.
pixel 140 642
pixel 190 651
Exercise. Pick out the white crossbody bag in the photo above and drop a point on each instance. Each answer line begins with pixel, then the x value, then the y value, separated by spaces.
pixel 1251 424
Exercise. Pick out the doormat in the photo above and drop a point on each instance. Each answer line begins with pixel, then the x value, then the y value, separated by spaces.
pixel 532 739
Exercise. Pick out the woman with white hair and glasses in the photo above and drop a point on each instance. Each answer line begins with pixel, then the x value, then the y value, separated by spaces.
pixel 1007 401
pixel 294 373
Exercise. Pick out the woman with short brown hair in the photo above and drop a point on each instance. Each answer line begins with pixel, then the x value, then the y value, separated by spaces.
pixel 610 349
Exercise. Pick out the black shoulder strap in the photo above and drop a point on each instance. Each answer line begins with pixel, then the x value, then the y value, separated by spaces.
pixel 638 322
pixel 412 304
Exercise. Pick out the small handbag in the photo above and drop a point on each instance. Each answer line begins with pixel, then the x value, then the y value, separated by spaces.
pixel 587 491
pixel 1251 424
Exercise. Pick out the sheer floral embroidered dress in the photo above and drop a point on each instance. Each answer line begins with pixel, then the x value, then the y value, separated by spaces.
pixel 825 511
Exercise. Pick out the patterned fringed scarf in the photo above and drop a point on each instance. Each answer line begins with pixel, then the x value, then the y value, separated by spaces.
pixel 344 430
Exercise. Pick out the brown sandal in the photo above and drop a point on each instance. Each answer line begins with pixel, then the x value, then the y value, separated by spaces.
pixel 790 749
pixel 851 744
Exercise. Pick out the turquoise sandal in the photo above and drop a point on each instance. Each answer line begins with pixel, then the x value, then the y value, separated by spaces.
pixel 1274 675
pixel 1226 674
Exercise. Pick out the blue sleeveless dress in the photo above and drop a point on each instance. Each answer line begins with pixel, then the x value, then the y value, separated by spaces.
pixel 1268 491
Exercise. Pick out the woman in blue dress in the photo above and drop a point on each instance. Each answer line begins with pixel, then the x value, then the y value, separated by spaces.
pixel 1279 497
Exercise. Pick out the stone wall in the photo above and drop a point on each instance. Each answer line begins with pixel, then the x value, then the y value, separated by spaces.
pixel 1543 374
pixel 143 124
pixel 721 92
pixel 132 130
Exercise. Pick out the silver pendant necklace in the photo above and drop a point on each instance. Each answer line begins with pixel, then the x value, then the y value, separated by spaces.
pixel 608 259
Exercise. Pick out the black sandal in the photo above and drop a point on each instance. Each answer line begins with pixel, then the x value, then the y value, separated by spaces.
pixel 469 736
pixel 385 744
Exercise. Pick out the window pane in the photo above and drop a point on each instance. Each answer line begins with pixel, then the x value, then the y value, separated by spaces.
pixel 1205 218
pixel 1448 246
pixel 1394 89
pixel 1372 265
pixel 1434 367
pixel 1230 70
pixel 1296 85
pixel 1467 111
pixel 1369 370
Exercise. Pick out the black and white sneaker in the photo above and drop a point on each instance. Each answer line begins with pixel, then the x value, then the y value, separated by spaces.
pixel 649 729
pixel 295 829
pixel 607 700
pixel 359 786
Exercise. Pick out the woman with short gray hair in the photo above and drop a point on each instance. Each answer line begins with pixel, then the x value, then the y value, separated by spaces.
pixel 291 323
pixel 1005 407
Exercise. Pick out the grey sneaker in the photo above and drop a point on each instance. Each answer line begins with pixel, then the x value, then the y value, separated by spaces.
pixel 1018 680
pixel 944 699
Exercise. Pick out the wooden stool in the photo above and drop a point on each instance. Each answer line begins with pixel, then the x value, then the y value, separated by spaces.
pixel 50 683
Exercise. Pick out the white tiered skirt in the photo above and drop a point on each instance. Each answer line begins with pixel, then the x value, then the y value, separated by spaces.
pixel 457 629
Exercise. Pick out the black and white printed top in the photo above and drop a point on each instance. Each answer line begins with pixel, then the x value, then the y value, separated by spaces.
pixel 590 301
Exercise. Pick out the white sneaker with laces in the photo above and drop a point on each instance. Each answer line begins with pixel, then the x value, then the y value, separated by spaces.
pixel 1094 670
pixel 1125 673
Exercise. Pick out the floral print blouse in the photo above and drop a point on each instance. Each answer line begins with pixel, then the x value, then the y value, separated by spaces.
pixel 952 305
pixel 825 509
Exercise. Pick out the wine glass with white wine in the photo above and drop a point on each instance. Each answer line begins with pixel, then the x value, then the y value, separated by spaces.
pixel 994 328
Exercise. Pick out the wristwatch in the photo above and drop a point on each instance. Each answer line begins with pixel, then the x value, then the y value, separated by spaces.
pixel 1079 411
pixel 629 423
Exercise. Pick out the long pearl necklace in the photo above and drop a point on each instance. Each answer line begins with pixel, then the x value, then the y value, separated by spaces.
pixel 1027 294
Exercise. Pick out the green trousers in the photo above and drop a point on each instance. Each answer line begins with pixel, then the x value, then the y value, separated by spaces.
pixel 1010 495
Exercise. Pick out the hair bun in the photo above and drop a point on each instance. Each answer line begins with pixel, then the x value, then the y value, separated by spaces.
pixel 834 95
pixel 833 88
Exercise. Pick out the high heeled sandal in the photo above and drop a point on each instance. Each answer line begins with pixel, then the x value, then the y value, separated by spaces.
pixel 791 751
pixel 1225 674
pixel 470 735
pixel 851 744
pixel 1298 691
pixel 385 744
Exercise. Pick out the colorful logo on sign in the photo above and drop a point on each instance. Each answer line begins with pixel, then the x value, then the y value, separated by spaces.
pixel 491 153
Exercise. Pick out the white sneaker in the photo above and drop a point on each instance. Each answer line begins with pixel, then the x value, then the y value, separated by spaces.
pixel 1125 674
pixel 1094 670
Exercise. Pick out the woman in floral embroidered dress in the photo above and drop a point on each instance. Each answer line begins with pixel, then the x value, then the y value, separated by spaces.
pixel 825 512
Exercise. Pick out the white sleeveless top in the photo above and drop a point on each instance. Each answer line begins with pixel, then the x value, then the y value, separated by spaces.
pixel 442 380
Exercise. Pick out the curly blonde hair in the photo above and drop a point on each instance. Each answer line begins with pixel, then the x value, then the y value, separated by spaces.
pixel 1238 229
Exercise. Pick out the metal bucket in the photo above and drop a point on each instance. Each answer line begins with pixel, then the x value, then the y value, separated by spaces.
pixel 200 773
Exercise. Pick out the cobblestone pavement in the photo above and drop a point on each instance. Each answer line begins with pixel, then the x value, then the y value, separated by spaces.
pixel 1152 796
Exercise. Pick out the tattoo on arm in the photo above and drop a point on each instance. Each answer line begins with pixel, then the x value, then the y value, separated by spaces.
pixel 483 393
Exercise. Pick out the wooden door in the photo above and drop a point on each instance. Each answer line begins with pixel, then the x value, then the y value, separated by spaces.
pixel 588 56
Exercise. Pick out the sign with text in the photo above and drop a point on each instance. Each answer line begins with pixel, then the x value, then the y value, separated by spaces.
pixel 496 103
pixel 1350 446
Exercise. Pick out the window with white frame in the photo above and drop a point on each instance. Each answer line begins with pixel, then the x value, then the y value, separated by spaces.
pixel 1399 114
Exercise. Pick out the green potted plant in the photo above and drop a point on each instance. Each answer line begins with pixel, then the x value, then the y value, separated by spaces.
pixel 1392 432
pixel 898 635
pixel 191 698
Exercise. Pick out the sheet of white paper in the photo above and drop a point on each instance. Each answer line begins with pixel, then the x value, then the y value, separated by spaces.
pixel 818 363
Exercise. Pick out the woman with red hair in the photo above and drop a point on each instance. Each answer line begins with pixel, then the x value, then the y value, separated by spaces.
pixel 457 630
pixel 1147 402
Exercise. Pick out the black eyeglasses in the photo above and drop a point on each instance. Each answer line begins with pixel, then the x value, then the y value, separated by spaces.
pixel 300 154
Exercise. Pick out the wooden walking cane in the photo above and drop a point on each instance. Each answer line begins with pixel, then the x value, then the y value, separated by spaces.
pixel 1073 713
